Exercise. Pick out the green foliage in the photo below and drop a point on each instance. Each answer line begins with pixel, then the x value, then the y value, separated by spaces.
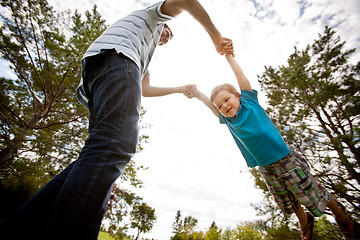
pixel 177 224
pixel 282 232
pixel 17 188
pixel 326 230
pixel 124 206
pixel 256 230
pixel 314 100
pixel 118 208
pixel 226 234
pixel 185 229
pixel 323 229
pixel 189 224
pixel 246 233
pixel 213 233
pixel 143 218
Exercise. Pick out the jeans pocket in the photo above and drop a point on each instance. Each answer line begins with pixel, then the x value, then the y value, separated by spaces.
pixel 94 67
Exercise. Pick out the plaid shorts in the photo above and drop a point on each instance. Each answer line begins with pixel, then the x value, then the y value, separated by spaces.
pixel 289 180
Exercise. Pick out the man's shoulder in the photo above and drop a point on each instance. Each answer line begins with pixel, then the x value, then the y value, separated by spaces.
pixel 155 11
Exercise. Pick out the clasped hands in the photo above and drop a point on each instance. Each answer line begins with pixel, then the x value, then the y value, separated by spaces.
pixel 224 46
pixel 190 90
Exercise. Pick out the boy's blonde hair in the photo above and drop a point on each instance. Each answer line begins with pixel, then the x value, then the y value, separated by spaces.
pixel 226 87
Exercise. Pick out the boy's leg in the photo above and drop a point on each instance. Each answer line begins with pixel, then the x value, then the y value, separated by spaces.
pixel 306 221
pixel 338 213
pixel 278 189
pixel 115 87
pixel 299 180
pixel 282 178
pixel 301 215
pixel 347 225
pixel 315 197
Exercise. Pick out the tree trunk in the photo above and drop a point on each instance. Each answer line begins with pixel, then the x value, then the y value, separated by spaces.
pixel 7 152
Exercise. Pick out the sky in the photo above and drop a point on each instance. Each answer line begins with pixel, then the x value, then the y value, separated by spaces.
pixel 194 164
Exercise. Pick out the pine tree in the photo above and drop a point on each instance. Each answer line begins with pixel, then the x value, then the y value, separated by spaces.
pixel 315 102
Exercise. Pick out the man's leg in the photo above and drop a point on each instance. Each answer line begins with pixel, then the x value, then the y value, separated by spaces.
pixel 115 87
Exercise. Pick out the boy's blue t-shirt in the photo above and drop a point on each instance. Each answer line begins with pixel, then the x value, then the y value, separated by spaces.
pixel 259 141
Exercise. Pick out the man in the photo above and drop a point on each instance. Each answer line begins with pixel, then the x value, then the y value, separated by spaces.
pixel 72 205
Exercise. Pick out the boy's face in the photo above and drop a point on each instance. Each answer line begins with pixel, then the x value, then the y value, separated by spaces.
pixel 227 103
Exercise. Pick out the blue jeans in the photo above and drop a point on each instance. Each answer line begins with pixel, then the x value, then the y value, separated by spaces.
pixel 72 205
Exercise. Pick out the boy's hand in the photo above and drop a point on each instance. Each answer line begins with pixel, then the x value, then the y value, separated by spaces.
pixel 225 46
pixel 190 90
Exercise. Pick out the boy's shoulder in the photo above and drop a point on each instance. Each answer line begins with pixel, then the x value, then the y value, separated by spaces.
pixel 246 94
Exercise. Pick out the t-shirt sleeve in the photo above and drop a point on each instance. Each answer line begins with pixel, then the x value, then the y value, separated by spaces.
pixel 221 119
pixel 247 95
pixel 155 12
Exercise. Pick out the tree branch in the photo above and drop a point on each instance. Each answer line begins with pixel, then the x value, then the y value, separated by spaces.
pixel 26 48
pixel 60 123
pixel 23 123
pixel 18 69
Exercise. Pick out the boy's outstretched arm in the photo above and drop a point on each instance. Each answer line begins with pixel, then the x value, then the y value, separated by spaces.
pixel 203 98
pixel 152 91
pixel 243 82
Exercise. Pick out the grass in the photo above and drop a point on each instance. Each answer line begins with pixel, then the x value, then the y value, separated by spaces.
pixel 105 236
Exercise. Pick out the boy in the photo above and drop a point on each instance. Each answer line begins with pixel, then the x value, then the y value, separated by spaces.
pixel 285 172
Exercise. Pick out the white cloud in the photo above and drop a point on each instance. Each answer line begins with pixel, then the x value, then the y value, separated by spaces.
pixel 5 70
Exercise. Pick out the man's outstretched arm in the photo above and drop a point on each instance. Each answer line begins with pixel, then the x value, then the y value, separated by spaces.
pixel 195 9
pixel 152 91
